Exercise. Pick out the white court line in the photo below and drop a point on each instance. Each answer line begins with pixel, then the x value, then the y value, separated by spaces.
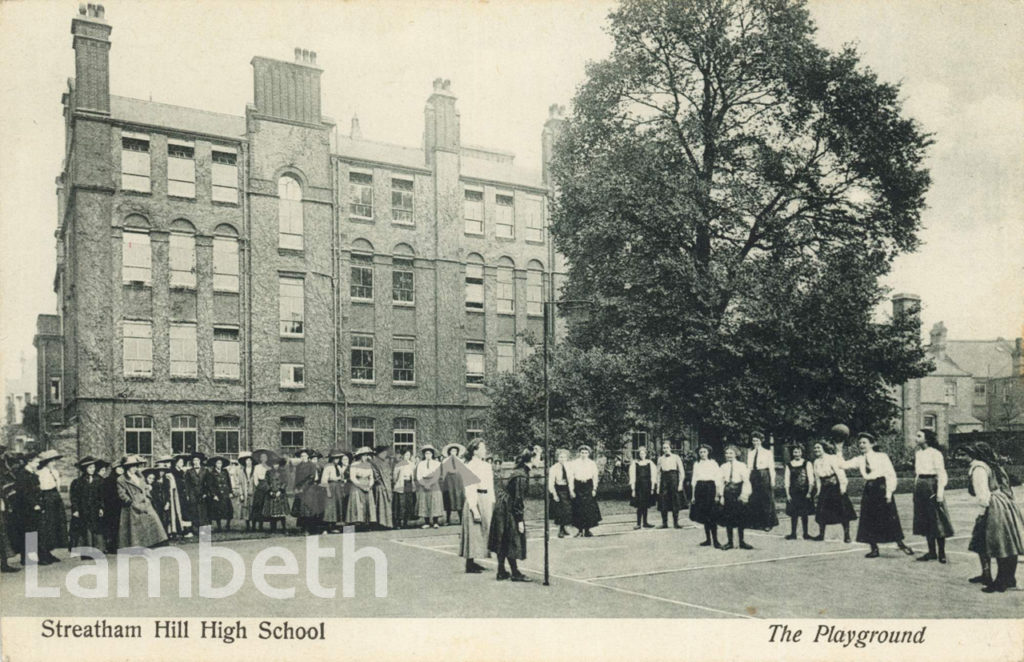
pixel 588 582
pixel 724 565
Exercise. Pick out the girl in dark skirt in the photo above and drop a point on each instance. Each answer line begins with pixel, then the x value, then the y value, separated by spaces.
pixel 999 529
pixel 586 514
pixel 260 487
pixel 195 479
pixel 707 494
pixel 305 502
pixel 86 493
pixel 931 519
pixel 834 506
pixel 507 535
pixel 761 462
pixel 735 495
pixel 275 505
pixel 879 520
pixel 799 486
pixel 404 491
pixel 561 485
pixel 643 480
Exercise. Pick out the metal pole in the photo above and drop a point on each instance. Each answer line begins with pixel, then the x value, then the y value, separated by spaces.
pixel 547 454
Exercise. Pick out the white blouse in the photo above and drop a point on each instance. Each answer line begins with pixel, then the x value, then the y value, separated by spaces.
pixel 670 462
pixel 330 474
pixel 485 472
pixel 584 470
pixel 561 474
pixel 49 478
pixel 642 463
pixel 928 461
pixel 737 472
pixel 978 472
pixel 259 474
pixel 403 474
pixel 707 470
pixel 872 465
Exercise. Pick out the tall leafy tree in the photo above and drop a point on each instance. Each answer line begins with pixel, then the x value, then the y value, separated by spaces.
pixel 730 195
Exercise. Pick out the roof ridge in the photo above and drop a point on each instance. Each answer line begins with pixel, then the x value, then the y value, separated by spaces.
pixel 174 105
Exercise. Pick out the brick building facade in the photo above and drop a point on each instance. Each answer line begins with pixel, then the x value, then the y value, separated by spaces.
pixel 237 282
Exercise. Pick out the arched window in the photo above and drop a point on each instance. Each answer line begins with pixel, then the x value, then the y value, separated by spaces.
pixel 225 259
pixel 289 193
pixel 403 276
pixel 535 288
pixel 506 291
pixel 361 271
pixel 136 254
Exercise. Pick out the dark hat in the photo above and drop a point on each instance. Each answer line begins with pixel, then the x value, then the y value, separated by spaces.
pixel 152 470
pixel 338 453
pixel 86 461
pixel 195 454
pixel 377 450
pixel 210 461
pixel 187 457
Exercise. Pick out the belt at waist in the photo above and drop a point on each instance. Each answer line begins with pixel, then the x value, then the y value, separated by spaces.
pixel 481 491
pixel 927 475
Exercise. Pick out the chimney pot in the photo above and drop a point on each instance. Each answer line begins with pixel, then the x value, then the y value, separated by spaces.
pixel 298 55
pixel 81 9
pixel 312 57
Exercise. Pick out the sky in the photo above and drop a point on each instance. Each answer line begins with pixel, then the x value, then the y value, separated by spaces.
pixel 960 65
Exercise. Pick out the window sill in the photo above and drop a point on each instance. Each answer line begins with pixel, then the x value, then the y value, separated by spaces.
pixel 188 288
pixel 292 336
pixel 536 242
pixel 362 382
pixel 364 302
pixel 292 387
pixel 190 198
pixel 403 224
pixel 505 239
pixel 404 384
pixel 137 284
pixel 361 219
pixel 507 313
pixel 293 252
pixel 404 304
pixel 228 380
pixel 537 315
pixel 131 191
pixel 474 234
pixel 216 291
pixel 475 386
pixel 476 311
pixel 224 203
pixel 184 378
pixel 139 378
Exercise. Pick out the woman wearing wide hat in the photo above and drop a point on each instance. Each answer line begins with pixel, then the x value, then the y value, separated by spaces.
pixel 561 486
pixel 382 486
pixel 830 484
pixel 798 480
pixel 86 496
pixel 478 506
pixel 404 490
pixel 307 506
pixel 112 506
pixel 217 492
pixel 361 508
pixel 332 482
pixel 879 519
pixel 453 492
pixel 507 535
pixel 931 519
pixel 429 501
pixel 275 503
pixel 999 530
pixel 26 512
pixel 181 510
pixel 265 462
pixel 53 526
pixel 586 514
pixel 140 525
pixel 241 487
pixel 195 481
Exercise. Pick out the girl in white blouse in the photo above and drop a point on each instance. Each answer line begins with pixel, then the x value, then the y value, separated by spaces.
pixel 999 527
pixel 478 506
pixel 643 483
pixel 761 462
pixel 585 512
pixel 735 494
pixel 830 483
pixel 879 520
pixel 707 487
pixel 931 519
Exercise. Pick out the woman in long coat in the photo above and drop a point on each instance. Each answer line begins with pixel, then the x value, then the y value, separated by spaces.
pixel 241 488
pixel 429 502
pixel 761 463
pixel 477 507
pixel 562 487
pixel 140 525
pixel 453 492
pixel 194 479
pixel 332 481
pixel 53 525
pixel 307 506
pixel 86 496
pixel 26 511
pixel 217 492
pixel 507 537
pixel 382 486
pixel 931 519
pixel 361 507
pixel 404 490
pixel 879 519
pixel 999 529
pixel 275 503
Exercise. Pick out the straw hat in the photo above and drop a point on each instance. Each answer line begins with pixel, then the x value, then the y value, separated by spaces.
pixel 86 461
pixel 428 447
pixel 48 455
pixel 454 444
pixel 363 450
pixel 132 461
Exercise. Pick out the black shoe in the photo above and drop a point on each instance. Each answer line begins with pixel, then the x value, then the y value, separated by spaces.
pixel 809 537
pixel 677 526
pixel 588 534
pixel 637 527
pixel 6 569
pixel 520 577
pixel 791 536
pixel 873 554
pixel 727 546
pixel 648 526
pixel 846 539
pixel 663 526
pixel 706 543
pixel 980 579
pixel 45 562
pixel 717 545
pixel 906 550
pixel 994 587
pixel 474 569
pixel 926 557
pixel 818 538
pixel 942 557
pixel 744 545
pixel 561 534
pixel 503 575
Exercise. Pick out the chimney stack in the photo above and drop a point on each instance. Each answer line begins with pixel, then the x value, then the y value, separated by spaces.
pixel 1016 355
pixel 91 41
pixel 441 125
pixel 356 133
pixel 552 130
pixel 938 346
pixel 288 90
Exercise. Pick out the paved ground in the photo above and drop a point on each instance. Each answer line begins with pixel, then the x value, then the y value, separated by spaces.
pixel 618 573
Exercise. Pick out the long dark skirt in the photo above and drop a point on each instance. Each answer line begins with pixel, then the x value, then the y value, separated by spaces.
pixel 799 504
pixel 705 507
pixel 834 507
pixel 453 492
pixel 561 510
pixel 670 499
pixel 879 521
pixel 504 538
pixel 644 498
pixel 275 507
pixel 586 514
pixel 931 518
pixel 999 532
pixel 761 507
pixel 405 507
pixel 53 526
pixel 259 501
pixel 734 511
